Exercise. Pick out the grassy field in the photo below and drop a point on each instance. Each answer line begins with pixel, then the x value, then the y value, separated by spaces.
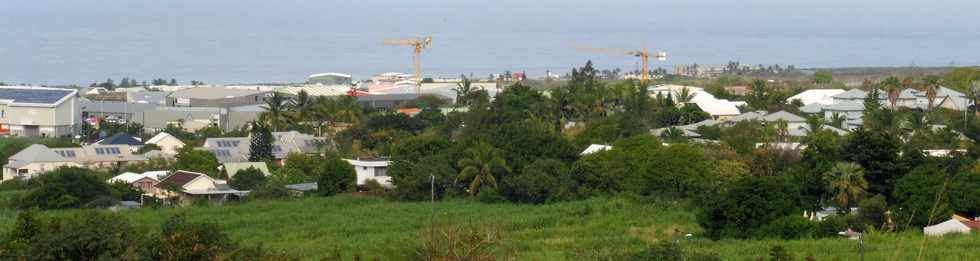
pixel 593 229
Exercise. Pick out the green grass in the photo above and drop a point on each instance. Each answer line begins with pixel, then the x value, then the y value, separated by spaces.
pixel 371 227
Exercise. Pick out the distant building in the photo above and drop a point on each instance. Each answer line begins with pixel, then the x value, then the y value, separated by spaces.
pixel 330 78
pixel 392 101
pixel 232 168
pixel 718 109
pixel 215 97
pixel 38 159
pixel 952 226
pixel 39 111
pixel 238 149
pixel 169 145
pixel 595 148
pixel 816 96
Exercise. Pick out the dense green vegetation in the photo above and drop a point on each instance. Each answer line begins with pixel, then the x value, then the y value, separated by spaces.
pixel 600 228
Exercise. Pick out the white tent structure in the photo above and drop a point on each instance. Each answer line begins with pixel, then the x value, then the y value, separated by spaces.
pixel 949 227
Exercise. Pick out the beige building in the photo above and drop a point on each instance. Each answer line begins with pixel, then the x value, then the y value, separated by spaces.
pixel 39 111
pixel 38 159
pixel 169 145
pixel 35 160
pixel 215 97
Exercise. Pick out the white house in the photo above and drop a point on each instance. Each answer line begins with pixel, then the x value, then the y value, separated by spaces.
pixel 816 96
pixel 193 185
pixel 952 226
pixel 717 108
pixel 371 170
pixel 39 111
pixel 169 145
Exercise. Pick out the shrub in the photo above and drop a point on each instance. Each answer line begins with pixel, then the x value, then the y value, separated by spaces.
pixel 536 184
pixel 337 176
pixel 749 205
pixel 247 179
pixel 90 235
pixel 66 188
pixel 460 242
pixel 790 227
pixel 183 240
pixel 489 195
pixel 670 251
pixel 871 211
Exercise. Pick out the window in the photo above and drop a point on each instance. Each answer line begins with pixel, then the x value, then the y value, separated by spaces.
pixel 381 172
pixel 276 149
pixel 112 151
pixel 227 143
pixel 66 153
pixel 100 151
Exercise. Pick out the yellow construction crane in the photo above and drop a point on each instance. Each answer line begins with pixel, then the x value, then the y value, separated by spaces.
pixel 419 45
pixel 643 54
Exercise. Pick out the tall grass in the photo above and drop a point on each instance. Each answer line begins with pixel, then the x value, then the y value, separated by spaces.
pixel 604 228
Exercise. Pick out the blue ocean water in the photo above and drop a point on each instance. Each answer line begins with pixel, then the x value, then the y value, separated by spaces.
pixel 249 41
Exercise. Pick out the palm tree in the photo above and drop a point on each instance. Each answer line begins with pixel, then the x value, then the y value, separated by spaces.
pixel 275 111
pixel 932 84
pixel 348 110
pixel 302 107
pixel 463 90
pixel 322 111
pixel 892 85
pixel 684 96
pixel 846 181
pixel 483 160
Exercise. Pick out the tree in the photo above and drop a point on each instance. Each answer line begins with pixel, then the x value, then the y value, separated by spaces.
pixel 201 161
pixel 846 182
pixel 276 109
pixel 463 90
pixel 68 187
pixel 932 84
pixel 302 108
pixel 745 209
pixel 892 85
pixel 917 199
pixel 260 148
pixel 871 211
pixel 336 176
pixel 247 179
pixel 481 167
pixel 823 77
pixel 536 184
pixel 877 153
pixel 88 235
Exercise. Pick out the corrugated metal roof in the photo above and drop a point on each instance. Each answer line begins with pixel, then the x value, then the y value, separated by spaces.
pixel 39 95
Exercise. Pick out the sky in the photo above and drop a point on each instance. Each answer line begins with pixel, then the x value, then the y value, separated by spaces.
pixel 224 41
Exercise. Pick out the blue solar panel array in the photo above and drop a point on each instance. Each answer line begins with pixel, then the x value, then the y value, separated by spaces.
pixel 33 95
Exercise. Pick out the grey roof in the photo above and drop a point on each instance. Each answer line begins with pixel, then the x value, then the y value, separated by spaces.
pixel 812 108
pixel 694 126
pixel 396 97
pixel 34 94
pixel 783 115
pixel 908 94
pixel 209 93
pixel 851 94
pixel 121 138
pixel 236 149
pixel 155 98
pixel 33 153
pixel 115 106
pixel 304 187
pixel 845 106
pixel 752 115
pixel 685 132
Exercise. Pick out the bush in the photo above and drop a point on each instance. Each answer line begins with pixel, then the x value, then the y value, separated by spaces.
pixel 269 191
pixel 536 184
pixel 66 188
pixel 183 240
pixel 337 176
pixel 871 211
pixel 749 205
pixel 489 195
pixel 790 227
pixel 374 188
pixel 90 235
pixel 670 251
pixel 247 179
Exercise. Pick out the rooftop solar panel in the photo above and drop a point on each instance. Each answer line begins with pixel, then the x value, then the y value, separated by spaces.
pixel 46 96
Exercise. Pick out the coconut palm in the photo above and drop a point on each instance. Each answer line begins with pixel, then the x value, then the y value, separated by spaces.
pixel 892 85
pixel 482 162
pixel 463 90
pixel 348 110
pixel 302 107
pixel 846 181
pixel 932 84
pixel 276 109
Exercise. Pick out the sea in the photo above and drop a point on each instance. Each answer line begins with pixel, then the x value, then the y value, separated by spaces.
pixel 56 42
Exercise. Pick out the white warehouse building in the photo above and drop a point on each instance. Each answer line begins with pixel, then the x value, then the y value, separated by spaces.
pixel 39 111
